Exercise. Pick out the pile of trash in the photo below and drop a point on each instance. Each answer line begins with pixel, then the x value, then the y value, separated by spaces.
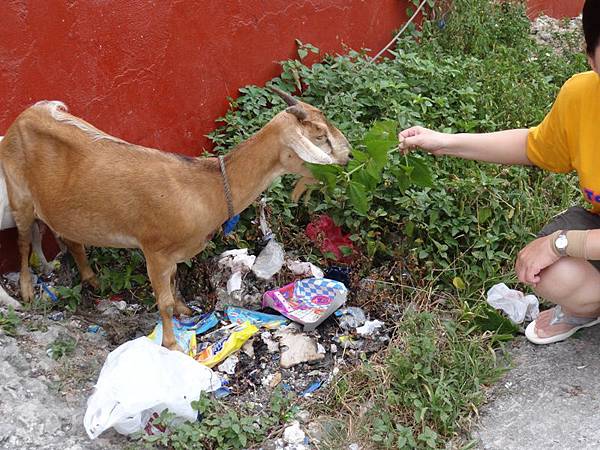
pixel 276 322
pixel 234 352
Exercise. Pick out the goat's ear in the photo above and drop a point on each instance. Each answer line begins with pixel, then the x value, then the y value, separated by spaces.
pixel 298 111
pixel 309 152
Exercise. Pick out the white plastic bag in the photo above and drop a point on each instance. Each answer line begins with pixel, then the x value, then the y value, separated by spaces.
pixel 6 218
pixel 7 300
pixel 517 306
pixel 269 261
pixel 140 378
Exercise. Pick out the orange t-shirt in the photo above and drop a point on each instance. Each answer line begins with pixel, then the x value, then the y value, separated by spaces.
pixel 569 136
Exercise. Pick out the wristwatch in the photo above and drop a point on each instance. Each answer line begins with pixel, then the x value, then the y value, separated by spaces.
pixel 561 243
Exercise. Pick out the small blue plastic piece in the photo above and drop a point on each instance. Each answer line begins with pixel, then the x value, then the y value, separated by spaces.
pixel 229 226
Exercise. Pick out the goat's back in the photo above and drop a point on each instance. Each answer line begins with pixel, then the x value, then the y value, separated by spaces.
pixel 96 189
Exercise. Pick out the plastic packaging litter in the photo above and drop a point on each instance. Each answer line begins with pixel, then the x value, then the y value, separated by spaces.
pixel 213 354
pixel 7 300
pixel 140 379
pixel 186 339
pixel 351 317
pixel 269 261
pixel 517 306
pixel 185 331
pixel 312 388
pixel 308 302
pixel 304 269
pixel 240 262
pixel 199 323
pixel 330 239
pixel 268 321
pixel 370 327
pixel 228 366
pixel 271 258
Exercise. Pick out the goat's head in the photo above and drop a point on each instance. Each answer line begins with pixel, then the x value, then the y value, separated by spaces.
pixel 309 137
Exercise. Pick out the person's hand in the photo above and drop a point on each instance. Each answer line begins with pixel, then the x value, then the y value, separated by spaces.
pixel 533 258
pixel 431 141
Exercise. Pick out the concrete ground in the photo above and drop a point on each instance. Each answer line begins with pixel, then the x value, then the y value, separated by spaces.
pixel 549 400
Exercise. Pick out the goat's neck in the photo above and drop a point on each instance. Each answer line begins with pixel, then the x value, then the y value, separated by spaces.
pixel 252 168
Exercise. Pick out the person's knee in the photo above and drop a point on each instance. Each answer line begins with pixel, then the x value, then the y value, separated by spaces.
pixel 569 280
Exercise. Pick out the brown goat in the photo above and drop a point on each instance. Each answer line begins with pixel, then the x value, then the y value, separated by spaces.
pixel 91 188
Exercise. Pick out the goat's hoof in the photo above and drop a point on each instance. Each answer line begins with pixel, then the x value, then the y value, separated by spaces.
pixel 93 282
pixel 182 310
pixel 175 348
pixel 27 294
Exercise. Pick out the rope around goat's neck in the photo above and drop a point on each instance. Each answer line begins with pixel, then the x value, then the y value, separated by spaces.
pixel 226 187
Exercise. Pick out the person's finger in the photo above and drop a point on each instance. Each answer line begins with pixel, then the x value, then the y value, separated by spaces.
pixel 409 132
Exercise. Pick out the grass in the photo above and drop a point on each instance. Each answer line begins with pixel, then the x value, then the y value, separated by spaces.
pixel 422 392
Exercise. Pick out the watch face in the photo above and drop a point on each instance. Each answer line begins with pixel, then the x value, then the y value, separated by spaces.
pixel 561 242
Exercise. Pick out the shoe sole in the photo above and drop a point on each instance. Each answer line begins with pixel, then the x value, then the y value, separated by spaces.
pixel 531 335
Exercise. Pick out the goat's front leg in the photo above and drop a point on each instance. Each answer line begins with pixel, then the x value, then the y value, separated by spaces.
pixel 180 306
pixel 159 272
pixel 301 187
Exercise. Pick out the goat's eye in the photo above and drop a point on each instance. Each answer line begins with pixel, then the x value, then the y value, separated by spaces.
pixel 322 138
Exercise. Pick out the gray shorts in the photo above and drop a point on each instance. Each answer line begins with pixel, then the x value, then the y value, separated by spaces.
pixel 574 218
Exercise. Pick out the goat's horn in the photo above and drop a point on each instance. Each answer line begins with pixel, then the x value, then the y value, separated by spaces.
pixel 291 101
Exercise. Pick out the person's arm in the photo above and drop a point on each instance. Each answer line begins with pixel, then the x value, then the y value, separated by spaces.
pixel 541 252
pixel 503 147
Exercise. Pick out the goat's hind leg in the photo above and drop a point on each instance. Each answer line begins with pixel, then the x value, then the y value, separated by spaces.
pixel 87 274
pixel 24 218
pixel 180 306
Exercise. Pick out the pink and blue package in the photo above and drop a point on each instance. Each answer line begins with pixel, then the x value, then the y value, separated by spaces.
pixel 308 302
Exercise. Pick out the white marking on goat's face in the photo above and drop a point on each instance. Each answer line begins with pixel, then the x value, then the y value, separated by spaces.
pixel 316 140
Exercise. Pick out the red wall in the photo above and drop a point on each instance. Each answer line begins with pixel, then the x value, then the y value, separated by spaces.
pixel 157 72
pixel 554 8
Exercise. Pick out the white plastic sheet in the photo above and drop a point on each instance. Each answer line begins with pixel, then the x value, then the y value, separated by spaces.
pixel 6 218
pixel 517 306
pixel 140 378
pixel 7 300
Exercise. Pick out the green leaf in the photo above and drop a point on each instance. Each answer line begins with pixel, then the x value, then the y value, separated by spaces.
pixel 379 150
pixel 483 214
pixel 358 197
pixel 420 174
pixel 374 170
pixel 458 283
pixel 384 130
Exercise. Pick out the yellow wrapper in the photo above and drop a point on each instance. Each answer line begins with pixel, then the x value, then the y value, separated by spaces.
pixel 219 351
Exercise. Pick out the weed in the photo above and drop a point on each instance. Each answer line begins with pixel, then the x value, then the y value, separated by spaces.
pixel 9 321
pixel 221 427
pixel 62 346
pixel 466 220
pixel 71 296
pixel 421 392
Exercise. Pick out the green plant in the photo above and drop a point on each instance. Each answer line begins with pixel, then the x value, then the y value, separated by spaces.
pixel 62 346
pixel 221 427
pixel 424 389
pixel 70 295
pixel 118 269
pixel 9 321
pixel 467 220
